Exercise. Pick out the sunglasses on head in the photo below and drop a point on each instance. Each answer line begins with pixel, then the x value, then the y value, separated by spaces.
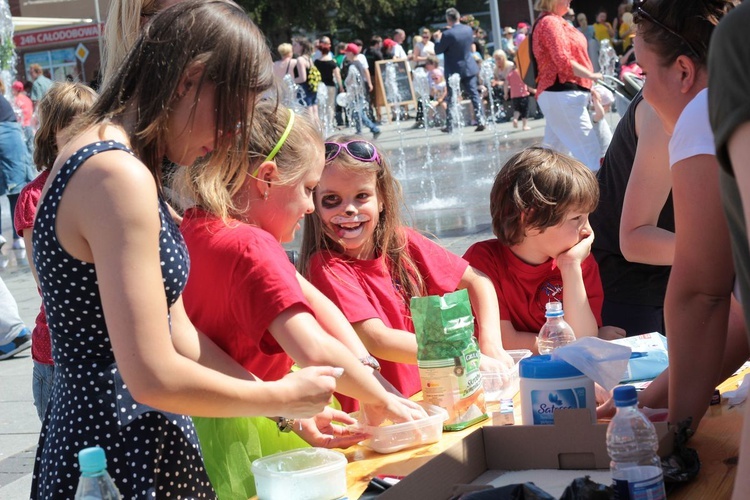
pixel 357 149
pixel 642 13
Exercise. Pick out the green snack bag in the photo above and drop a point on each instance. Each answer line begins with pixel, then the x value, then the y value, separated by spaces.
pixel 448 357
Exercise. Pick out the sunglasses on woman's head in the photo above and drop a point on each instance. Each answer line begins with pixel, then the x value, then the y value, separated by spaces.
pixel 357 149
pixel 642 13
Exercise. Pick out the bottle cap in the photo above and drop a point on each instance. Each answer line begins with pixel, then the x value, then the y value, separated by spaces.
pixel 625 395
pixel 92 460
pixel 553 309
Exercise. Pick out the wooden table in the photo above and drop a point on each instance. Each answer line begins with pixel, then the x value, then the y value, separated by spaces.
pixel 717 443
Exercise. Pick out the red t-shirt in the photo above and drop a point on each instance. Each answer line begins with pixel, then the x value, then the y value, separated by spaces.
pixel 27 109
pixel 240 281
pixel 41 349
pixel 556 43
pixel 365 289
pixel 523 289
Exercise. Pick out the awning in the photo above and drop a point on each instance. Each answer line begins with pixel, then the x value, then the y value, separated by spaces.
pixel 33 23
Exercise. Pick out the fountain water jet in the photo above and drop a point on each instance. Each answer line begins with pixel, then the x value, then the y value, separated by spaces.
pixel 325 113
pixel 392 94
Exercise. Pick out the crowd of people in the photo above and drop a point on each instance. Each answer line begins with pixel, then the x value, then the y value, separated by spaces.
pixel 172 316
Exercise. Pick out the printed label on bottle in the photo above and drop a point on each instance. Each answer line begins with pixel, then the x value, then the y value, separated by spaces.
pixel 545 403
pixel 640 483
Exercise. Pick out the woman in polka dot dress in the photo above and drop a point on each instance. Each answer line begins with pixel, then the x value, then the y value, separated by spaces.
pixel 112 263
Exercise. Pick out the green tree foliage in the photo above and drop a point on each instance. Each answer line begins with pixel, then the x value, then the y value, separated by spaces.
pixel 344 19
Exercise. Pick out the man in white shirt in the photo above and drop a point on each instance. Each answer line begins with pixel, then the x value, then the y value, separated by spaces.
pixel 398 51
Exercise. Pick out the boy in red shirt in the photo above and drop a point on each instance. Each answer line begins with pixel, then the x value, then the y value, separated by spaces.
pixel 540 203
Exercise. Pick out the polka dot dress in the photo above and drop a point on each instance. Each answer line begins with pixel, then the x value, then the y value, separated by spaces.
pixel 150 453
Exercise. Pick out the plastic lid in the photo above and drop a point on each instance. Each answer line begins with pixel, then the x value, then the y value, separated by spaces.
pixel 625 395
pixel 545 367
pixel 553 309
pixel 92 460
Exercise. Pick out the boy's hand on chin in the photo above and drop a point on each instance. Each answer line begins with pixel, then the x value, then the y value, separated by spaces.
pixel 577 253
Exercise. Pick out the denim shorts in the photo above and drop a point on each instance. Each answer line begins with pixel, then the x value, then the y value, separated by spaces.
pixel 41 386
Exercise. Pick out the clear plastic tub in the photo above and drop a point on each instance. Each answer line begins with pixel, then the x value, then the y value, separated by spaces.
pixel 304 474
pixel 504 385
pixel 395 437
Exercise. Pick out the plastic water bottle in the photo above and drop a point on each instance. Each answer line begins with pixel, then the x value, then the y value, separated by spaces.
pixel 555 332
pixel 95 482
pixel 632 444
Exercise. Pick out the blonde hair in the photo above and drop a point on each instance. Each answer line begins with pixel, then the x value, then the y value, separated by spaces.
pixel 535 189
pixel 545 5
pixel 124 22
pixel 285 49
pixel 219 35
pixel 389 237
pixel 57 109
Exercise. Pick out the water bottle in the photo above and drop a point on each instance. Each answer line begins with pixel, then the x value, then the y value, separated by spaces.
pixel 95 482
pixel 555 332
pixel 632 444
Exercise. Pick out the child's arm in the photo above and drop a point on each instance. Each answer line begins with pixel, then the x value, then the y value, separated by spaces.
pixel 514 339
pixel 484 302
pixel 576 302
pixel 302 337
pixel 387 343
pixel 27 240
pixel 598 109
pixel 331 319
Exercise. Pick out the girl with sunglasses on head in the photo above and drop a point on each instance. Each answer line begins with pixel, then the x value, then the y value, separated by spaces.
pixel 357 251
pixel 671 46
pixel 129 365
pixel 246 296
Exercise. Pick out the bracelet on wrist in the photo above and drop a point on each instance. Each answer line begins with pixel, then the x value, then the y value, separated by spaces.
pixel 370 361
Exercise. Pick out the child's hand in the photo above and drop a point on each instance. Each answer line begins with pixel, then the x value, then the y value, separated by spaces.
pixel 611 333
pixel 496 362
pixel 395 408
pixel 309 390
pixel 321 431
pixel 579 251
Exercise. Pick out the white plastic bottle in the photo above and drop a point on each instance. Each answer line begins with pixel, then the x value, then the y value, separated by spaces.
pixel 95 483
pixel 555 332
pixel 632 444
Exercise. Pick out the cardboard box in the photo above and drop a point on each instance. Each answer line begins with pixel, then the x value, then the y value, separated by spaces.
pixel 573 443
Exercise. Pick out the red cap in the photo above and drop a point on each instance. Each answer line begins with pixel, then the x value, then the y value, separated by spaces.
pixel 388 43
pixel 17 86
pixel 522 26
pixel 350 47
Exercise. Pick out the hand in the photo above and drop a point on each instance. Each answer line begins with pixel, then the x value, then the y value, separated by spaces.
pixel 606 410
pixel 497 360
pixel 578 252
pixel 601 395
pixel 395 408
pixel 321 431
pixel 308 390
pixel 596 76
pixel 611 333
pixel 437 35
pixel 369 87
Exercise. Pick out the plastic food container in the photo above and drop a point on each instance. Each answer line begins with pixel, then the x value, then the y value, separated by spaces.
pixel 395 437
pixel 548 385
pixel 304 474
pixel 504 385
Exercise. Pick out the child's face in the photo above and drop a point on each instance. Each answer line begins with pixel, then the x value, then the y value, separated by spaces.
pixel 349 207
pixel 556 240
pixel 287 204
